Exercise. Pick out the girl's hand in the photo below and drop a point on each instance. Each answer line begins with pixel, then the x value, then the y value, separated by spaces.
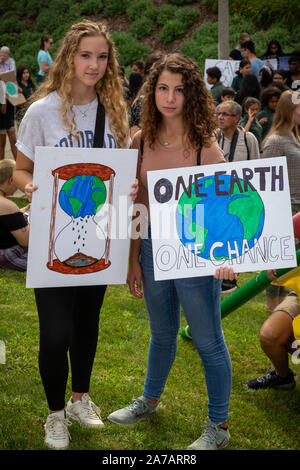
pixel 226 273
pixel 29 189
pixel 134 280
pixel 263 120
pixel 251 114
pixel 135 187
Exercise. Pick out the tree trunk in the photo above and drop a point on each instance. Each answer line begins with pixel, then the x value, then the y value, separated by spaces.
pixel 223 23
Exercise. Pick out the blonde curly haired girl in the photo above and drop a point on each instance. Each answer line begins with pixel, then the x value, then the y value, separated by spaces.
pixel 63 112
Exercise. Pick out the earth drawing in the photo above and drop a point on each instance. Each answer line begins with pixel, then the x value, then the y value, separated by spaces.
pixel 232 218
pixel 82 195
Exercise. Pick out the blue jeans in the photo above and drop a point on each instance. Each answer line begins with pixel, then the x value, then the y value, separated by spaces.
pixel 200 299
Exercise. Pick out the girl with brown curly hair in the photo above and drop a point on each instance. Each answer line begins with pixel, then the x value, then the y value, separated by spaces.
pixel 177 130
pixel 82 79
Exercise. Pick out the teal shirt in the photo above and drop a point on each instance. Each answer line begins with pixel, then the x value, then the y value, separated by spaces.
pixel 256 65
pixel 43 56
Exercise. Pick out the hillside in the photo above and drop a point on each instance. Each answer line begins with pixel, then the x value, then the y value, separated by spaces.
pixel 153 41
pixel 140 26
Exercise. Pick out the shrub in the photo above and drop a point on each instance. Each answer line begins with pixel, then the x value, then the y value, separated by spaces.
pixel 33 7
pixel 187 15
pixel 266 13
pixel 18 7
pixel 166 12
pixel 203 44
pixel 141 8
pixel 142 27
pixel 91 7
pixel 263 12
pixel 173 29
pixel 29 61
pixel 47 20
pixel 179 24
pixel 129 49
pixel 114 7
pixel 181 2
pixel 58 7
pixel 11 23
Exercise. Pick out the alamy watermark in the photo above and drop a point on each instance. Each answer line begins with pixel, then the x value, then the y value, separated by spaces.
pixel 170 221
pixel 296 94
pixel 296 354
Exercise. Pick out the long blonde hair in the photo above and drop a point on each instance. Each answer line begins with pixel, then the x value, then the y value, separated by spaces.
pixel 109 88
pixel 283 122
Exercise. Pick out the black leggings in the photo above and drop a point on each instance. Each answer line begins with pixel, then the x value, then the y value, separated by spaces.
pixel 69 321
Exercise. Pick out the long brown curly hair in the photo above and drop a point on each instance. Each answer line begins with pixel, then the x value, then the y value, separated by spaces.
pixel 198 109
pixel 109 88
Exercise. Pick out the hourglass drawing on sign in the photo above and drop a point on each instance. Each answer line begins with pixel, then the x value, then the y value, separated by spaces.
pixel 80 246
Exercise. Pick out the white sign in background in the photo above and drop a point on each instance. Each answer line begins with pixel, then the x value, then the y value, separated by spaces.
pixel 229 68
pixel 240 218
pixel 123 162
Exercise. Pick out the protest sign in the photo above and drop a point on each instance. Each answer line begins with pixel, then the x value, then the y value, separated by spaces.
pixel 228 69
pixel 14 97
pixel 272 63
pixel 80 216
pixel 236 214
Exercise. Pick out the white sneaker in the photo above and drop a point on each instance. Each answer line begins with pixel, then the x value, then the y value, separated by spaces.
pixel 57 434
pixel 214 438
pixel 85 412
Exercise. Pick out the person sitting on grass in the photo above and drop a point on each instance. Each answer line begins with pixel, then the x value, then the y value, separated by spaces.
pixel 14 228
pixel 276 337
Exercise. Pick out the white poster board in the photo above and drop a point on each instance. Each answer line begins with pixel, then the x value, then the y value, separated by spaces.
pixel 228 69
pixel 272 63
pixel 233 214
pixel 80 216
pixel 14 97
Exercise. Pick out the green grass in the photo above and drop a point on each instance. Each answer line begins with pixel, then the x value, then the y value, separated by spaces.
pixel 258 420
